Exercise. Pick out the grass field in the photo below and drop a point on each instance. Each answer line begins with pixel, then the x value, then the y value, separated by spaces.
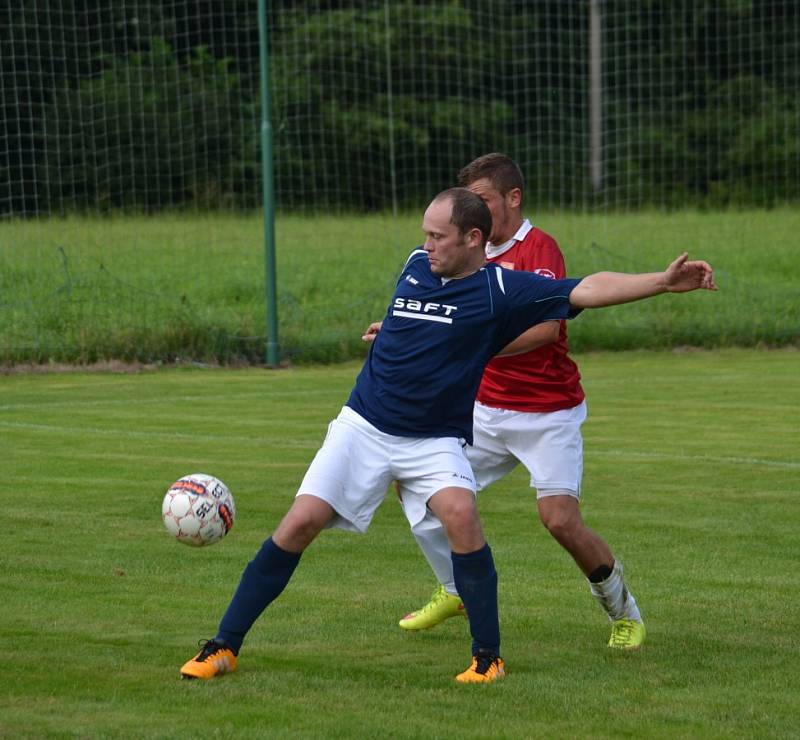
pixel 191 287
pixel 691 473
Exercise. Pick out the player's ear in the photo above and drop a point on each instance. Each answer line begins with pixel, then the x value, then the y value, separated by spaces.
pixel 514 198
pixel 475 237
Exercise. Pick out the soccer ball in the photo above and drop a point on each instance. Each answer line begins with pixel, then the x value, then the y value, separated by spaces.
pixel 198 510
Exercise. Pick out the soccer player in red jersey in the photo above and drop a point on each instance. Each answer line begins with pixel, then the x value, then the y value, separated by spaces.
pixel 529 410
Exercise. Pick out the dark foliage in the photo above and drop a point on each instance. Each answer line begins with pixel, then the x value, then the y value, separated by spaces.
pixel 149 105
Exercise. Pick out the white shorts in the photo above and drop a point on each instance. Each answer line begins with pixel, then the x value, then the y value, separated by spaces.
pixel 357 462
pixel 548 444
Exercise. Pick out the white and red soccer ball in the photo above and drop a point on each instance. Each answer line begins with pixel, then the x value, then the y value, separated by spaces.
pixel 198 510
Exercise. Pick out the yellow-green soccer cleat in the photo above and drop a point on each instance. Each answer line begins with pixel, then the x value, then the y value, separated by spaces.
pixel 485 668
pixel 213 660
pixel 626 634
pixel 441 606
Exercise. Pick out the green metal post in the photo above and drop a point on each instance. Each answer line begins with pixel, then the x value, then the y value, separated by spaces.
pixel 273 354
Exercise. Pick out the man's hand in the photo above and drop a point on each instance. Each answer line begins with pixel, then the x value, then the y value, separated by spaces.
pixel 372 332
pixel 682 275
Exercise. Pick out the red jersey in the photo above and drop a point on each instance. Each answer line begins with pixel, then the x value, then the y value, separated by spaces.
pixel 544 379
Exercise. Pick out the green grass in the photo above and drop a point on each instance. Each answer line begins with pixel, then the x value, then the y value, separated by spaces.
pixel 187 287
pixel 691 474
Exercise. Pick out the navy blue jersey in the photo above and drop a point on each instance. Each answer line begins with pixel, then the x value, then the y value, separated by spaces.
pixel 424 367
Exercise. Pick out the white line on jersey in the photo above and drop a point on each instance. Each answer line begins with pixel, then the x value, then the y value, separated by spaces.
pixel 424 317
pixel 413 254
pixel 499 274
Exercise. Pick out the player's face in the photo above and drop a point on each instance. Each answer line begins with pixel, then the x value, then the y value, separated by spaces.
pixel 506 216
pixel 447 248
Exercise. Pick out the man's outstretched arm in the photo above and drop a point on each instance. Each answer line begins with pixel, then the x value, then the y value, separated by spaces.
pixel 611 288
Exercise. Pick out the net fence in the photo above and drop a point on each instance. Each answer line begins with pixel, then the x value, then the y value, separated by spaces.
pixel 130 151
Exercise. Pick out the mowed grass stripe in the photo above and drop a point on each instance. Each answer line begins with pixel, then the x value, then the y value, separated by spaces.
pixel 71 431
pixel 653 456
pixel 284 443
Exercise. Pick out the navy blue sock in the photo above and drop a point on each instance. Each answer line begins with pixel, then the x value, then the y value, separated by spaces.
pixel 263 580
pixel 476 581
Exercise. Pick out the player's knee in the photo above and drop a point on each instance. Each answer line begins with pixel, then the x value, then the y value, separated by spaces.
pixel 559 527
pixel 560 516
pixel 462 514
pixel 303 523
pixel 461 517
pixel 305 528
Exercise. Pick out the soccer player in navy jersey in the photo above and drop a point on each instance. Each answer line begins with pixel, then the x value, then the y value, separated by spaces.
pixel 410 415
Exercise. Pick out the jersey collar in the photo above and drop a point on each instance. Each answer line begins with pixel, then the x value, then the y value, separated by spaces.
pixel 493 251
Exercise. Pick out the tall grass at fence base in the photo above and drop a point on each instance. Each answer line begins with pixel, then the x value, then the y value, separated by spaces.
pixel 191 288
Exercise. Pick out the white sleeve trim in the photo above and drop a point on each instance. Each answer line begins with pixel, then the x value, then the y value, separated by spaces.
pixel 499 274
pixel 411 256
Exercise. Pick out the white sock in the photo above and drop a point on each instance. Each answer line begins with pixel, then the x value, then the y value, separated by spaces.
pixel 615 598
pixel 432 540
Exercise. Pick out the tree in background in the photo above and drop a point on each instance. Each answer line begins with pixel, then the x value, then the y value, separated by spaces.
pixel 146 105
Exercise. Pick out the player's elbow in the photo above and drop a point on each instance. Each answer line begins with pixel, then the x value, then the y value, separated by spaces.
pixel 595 291
pixel 583 297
